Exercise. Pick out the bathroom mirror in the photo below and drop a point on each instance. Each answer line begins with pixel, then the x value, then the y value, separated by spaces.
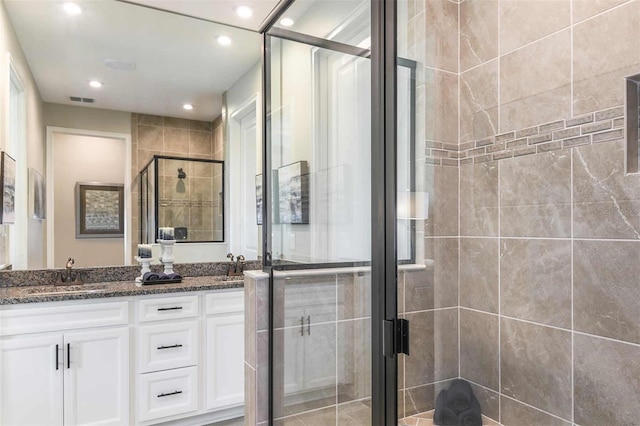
pixel 96 91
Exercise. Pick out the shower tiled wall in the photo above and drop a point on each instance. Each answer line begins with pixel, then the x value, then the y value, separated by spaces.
pixel 549 221
pixel 156 135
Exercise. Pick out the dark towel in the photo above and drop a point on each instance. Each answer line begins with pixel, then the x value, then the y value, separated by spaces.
pixel 472 416
pixel 460 396
pixel 151 276
pixel 173 276
pixel 444 416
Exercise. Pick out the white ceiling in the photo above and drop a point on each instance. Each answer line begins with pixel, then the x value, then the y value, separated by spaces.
pixel 178 59
pixel 223 11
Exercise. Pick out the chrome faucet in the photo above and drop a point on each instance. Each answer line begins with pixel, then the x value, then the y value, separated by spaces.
pixel 237 268
pixel 69 276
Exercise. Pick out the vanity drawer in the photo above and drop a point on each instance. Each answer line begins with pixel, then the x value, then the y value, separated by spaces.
pixel 167 308
pixel 167 393
pixel 61 316
pixel 165 346
pixel 222 302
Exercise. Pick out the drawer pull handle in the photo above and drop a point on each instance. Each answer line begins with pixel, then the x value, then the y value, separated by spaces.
pixel 174 308
pixel 169 347
pixel 162 395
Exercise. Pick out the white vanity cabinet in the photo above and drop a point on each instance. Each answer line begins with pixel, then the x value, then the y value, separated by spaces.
pixel 57 372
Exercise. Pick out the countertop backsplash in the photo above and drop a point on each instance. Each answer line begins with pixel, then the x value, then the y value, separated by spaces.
pixel 115 273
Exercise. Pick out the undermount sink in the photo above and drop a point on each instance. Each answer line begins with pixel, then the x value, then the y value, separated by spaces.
pixel 65 289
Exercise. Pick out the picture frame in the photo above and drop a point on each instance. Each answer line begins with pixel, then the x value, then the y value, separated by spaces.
pixel 293 193
pixel 259 199
pixel 99 210
pixel 37 195
pixel 8 194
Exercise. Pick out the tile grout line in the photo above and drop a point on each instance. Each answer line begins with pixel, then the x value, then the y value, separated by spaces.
pixel 572 387
pixel 459 188
pixel 499 302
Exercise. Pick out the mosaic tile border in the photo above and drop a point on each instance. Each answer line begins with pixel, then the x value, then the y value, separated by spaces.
pixel 595 127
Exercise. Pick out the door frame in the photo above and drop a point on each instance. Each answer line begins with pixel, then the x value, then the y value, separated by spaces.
pixel 128 225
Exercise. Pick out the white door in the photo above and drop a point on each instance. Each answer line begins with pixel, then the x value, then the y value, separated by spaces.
pixel 31 381
pixel 96 377
pixel 225 365
pixel 250 158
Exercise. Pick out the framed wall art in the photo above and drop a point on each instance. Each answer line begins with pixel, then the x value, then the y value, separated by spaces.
pixel 37 195
pixel 99 210
pixel 8 195
pixel 293 193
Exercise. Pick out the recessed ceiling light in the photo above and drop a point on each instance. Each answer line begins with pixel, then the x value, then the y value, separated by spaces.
pixel 188 107
pixel 72 8
pixel 244 12
pixel 95 83
pixel 224 40
pixel 286 22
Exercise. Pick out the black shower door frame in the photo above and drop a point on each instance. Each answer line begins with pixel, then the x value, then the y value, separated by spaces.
pixel 384 314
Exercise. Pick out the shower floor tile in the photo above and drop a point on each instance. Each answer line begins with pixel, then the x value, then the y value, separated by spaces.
pixel 426 419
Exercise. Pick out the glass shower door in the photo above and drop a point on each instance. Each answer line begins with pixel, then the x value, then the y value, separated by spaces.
pixel 318 115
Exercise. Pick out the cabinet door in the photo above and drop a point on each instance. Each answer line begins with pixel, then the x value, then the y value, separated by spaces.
pixel 224 364
pixel 30 380
pixel 96 377
pixel 319 350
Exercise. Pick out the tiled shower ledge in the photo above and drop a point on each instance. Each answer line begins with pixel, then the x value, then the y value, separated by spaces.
pixel 426 419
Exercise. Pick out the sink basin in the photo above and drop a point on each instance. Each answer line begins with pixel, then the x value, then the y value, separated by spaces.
pixel 65 289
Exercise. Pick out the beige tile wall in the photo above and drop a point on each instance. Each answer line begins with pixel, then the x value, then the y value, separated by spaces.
pixel 155 135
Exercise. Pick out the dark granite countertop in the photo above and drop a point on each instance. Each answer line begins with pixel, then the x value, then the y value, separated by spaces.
pixel 51 293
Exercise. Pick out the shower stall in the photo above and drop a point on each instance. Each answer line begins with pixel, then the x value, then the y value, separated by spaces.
pixel 186 194
pixel 459 170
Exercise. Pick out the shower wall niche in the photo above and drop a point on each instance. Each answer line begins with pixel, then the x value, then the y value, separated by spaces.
pixel 183 193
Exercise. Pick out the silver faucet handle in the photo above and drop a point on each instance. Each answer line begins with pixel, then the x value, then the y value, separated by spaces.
pixel 230 256
pixel 240 258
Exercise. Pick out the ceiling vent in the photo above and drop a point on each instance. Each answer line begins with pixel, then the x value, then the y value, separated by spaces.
pixel 118 65
pixel 78 99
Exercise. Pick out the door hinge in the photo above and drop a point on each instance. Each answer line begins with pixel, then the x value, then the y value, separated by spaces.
pixel 395 337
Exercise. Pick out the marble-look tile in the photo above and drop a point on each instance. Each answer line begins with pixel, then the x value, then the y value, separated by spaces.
pixel 176 140
pixel 604 52
pixel 441 35
pixel 418 291
pixel 150 138
pixel 525 21
pixel 517 414
pixel 583 9
pixel 535 82
pixel 479 267
pixel 152 120
pixel 249 396
pixel 419 399
pixel 607 201
pixel 535 195
pixel 478 32
pixel 262 376
pixel 606 289
pixel 354 296
pixel 203 126
pixel 479 101
pixel 535 281
pixel 489 401
pixel 535 365
pixel 200 143
pixel 355 413
pixel 441 259
pixel 479 344
pixel 326 416
pixel 479 200
pixel 441 114
pixel 174 122
pixel 433 346
pixel 442 185
pixel 354 360
pixel 250 322
pixel 607 382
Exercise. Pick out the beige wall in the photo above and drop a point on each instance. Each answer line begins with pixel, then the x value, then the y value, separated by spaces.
pixel 84 159
pixel 80 117
pixel 31 230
